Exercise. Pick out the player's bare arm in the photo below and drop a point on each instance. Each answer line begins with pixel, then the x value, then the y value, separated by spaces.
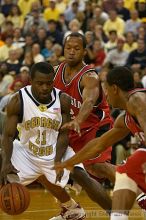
pixel 137 108
pixel 10 129
pixel 62 142
pixel 97 145
pixel 90 93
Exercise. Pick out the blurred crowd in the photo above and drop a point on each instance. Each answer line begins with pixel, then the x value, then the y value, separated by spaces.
pixel 34 30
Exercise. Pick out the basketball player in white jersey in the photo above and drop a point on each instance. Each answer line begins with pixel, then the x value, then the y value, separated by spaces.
pixel 39 111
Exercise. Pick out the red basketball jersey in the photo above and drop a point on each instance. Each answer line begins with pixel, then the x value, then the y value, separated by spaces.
pixel 133 124
pixel 100 112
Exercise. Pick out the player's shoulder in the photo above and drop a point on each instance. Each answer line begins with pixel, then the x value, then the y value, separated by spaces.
pixel 137 98
pixel 14 105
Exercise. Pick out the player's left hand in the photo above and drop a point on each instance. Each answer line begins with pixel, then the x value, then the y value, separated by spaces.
pixel 73 125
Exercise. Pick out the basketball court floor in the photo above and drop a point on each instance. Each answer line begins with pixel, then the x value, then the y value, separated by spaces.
pixel 43 206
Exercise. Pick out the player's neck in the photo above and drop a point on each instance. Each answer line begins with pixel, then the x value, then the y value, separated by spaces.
pixel 74 69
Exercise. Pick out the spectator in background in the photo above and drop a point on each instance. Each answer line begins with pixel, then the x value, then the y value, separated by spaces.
pixel 98 54
pixel 122 11
pixel 88 12
pixel 47 50
pixel 71 12
pixel 24 75
pixel 108 5
pixel 99 33
pixel 13 63
pixel 8 30
pixel 133 23
pixel 6 79
pixel 89 36
pixel 129 4
pixel 25 6
pixel 137 79
pixel 37 56
pixel 54 33
pixel 51 12
pixel 4 50
pixel 28 43
pixel 62 26
pixel 91 24
pixel 15 87
pixel 141 7
pixel 100 15
pixel 41 37
pixel 28 59
pixel 112 41
pixel 58 51
pixel 141 33
pixel 114 23
pixel 15 17
pixel 81 4
pixel 130 43
pixel 35 18
pixel 137 58
pixel 74 26
pixel 18 40
pixel 6 7
pixel 118 56
pixel 61 6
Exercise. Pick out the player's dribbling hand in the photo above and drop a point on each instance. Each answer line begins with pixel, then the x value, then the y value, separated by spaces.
pixel 6 169
pixel 73 125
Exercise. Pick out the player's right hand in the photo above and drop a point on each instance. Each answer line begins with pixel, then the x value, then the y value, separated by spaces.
pixel 73 125
pixel 7 168
pixel 59 166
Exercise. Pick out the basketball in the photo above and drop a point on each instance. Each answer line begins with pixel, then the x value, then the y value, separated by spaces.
pixel 14 198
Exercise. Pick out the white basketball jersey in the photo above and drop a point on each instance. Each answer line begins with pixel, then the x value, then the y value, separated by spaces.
pixel 40 124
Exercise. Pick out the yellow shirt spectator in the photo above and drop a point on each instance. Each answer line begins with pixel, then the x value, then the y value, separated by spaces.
pixel 114 23
pixel 16 20
pixel 4 52
pixel 129 4
pixel 130 48
pixel 25 6
pixel 51 13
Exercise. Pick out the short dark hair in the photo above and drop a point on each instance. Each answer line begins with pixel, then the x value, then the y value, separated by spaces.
pixel 42 67
pixel 78 35
pixel 121 76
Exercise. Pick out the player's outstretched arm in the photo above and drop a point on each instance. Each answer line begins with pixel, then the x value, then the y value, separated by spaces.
pixel 10 129
pixel 97 145
pixel 90 93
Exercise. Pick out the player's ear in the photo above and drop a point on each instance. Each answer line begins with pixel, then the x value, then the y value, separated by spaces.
pixel 115 88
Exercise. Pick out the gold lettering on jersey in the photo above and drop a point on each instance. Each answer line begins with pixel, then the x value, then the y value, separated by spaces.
pixel 42 108
pixel 36 122
pixel 40 151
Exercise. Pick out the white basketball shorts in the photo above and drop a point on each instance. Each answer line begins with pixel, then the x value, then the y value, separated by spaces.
pixel 31 167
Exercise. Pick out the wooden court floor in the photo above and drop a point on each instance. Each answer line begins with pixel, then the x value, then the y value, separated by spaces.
pixel 43 206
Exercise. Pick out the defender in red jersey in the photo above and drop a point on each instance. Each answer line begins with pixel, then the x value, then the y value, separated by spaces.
pixel 89 109
pixel 131 175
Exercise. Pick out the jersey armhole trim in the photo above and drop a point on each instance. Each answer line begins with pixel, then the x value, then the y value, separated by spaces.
pixel 21 107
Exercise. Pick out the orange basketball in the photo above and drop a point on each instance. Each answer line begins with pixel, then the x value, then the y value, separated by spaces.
pixel 14 198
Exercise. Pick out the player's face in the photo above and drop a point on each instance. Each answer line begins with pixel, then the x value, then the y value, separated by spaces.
pixel 42 85
pixel 74 51
pixel 111 93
